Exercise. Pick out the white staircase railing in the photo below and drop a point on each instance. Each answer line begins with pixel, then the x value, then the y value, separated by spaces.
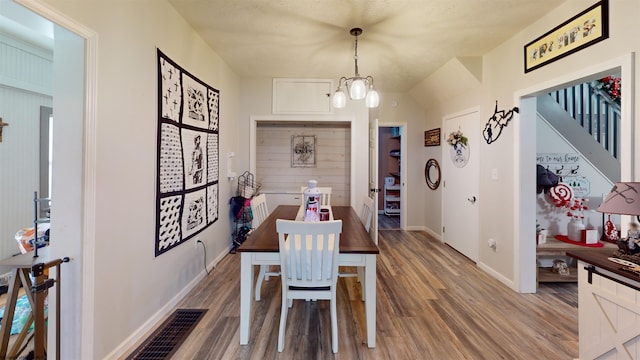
pixel 595 111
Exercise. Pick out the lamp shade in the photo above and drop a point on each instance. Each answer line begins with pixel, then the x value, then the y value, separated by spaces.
pixel 339 99
pixel 358 89
pixel 623 199
pixel 372 99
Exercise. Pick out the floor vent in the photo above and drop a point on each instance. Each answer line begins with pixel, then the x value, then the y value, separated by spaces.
pixel 169 336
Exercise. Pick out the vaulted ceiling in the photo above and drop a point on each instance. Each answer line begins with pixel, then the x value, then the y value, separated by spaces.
pixel 403 42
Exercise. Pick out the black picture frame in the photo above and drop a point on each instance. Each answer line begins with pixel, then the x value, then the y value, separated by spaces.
pixel 303 151
pixel 432 137
pixel 582 30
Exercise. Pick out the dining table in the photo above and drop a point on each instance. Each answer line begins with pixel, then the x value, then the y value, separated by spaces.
pixel 356 249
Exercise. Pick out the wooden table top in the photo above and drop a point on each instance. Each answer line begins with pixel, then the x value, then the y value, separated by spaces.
pixel 354 238
pixel 600 259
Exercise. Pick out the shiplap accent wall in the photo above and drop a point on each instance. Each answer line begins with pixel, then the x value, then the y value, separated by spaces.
pixel 25 85
pixel 333 158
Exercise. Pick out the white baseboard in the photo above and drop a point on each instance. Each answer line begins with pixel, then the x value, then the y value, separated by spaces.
pixel 497 275
pixel 143 330
pixel 436 235
pixel 416 228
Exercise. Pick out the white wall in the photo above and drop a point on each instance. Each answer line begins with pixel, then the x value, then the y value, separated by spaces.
pixel 502 77
pixel 398 109
pixel 25 85
pixel 133 289
pixel 440 98
pixel 256 105
pixel 131 286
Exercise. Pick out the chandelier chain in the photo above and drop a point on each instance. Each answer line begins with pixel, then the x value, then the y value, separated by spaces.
pixel 355 56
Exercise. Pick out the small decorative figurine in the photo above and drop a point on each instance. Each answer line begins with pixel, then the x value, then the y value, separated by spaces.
pixel 633 239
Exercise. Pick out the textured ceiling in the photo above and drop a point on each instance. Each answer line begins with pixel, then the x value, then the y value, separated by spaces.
pixel 403 41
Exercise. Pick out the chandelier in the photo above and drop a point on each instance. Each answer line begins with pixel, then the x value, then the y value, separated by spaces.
pixel 357 86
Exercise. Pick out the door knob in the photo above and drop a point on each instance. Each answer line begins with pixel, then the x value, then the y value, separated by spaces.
pixel 472 199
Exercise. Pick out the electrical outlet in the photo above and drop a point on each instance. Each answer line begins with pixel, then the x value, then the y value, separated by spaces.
pixel 196 243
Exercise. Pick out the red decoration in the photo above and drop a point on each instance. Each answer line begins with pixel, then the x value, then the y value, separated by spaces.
pixel 564 238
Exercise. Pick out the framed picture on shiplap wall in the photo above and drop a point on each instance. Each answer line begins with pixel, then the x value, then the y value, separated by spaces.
pixel 303 151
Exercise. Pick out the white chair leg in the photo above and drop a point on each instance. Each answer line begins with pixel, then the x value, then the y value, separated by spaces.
pixel 261 276
pixel 283 322
pixel 334 324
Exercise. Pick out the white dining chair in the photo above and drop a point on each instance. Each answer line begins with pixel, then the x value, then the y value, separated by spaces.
pixel 366 216
pixel 260 212
pixel 366 212
pixel 309 267
pixel 325 195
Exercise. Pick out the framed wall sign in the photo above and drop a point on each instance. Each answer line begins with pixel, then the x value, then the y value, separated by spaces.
pixel 432 137
pixel 583 30
pixel 303 151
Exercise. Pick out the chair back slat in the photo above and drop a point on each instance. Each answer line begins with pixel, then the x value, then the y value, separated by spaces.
pixel 325 195
pixel 366 213
pixel 308 252
pixel 259 209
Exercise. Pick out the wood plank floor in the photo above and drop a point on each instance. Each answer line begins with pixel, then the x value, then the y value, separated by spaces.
pixel 387 222
pixel 432 303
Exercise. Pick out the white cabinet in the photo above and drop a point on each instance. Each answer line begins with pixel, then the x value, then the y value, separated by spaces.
pixel 609 312
pixel 275 198
pixel 392 199
pixel 302 96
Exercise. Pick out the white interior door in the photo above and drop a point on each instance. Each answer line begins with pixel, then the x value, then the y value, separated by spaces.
pixel 373 176
pixel 460 215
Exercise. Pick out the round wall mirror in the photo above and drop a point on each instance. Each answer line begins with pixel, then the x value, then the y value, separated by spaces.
pixel 432 174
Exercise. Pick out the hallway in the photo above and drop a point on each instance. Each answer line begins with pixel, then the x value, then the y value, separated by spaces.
pixel 386 222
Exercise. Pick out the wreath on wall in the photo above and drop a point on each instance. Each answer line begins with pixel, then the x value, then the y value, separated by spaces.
pixel 459 151
pixel 457 139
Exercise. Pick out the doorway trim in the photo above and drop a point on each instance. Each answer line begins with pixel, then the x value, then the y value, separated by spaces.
pixel 525 154
pixel 404 183
pixel 85 292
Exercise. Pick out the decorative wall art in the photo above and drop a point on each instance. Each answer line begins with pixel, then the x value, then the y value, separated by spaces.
pixel 303 151
pixel 188 146
pixel 432 137
pixel 499 120
pixel 583 30
pixel 566 166
pixel 432 173
pixel 459 150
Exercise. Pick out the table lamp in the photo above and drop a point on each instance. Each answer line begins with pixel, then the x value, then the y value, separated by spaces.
pixel 624 199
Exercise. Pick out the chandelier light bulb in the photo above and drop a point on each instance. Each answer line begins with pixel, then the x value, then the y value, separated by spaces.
pixel 339 99
pixel 372 100
pixel 358 89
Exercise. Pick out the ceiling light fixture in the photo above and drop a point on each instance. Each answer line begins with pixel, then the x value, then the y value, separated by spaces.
pixel 357 86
